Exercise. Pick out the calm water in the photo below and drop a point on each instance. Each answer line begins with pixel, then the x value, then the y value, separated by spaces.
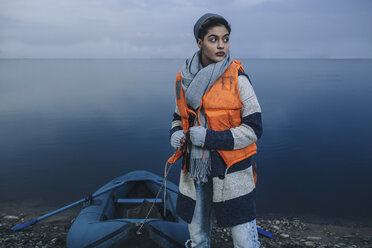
pixel 69 126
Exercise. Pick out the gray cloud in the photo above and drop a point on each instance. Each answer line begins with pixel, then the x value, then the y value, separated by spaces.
pixel 113 28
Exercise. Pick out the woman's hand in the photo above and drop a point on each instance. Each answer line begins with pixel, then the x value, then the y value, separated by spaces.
pixel 197 135
pixel 179 139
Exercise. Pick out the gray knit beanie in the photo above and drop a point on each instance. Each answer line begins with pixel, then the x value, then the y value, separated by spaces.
pixel 201 21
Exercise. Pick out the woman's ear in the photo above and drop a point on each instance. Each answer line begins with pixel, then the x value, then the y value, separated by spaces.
pixel 199 42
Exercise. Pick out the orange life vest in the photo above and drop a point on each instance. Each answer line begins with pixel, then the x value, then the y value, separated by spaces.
pixel 222 105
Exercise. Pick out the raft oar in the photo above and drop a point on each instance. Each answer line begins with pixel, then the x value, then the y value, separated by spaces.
pixel 265 233
pixel 86 199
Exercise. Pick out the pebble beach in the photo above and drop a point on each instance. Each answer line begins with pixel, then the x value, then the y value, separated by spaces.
pixel 288 232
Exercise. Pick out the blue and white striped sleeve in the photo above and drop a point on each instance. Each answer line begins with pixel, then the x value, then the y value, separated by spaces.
pixel 176 122
pixel 250 129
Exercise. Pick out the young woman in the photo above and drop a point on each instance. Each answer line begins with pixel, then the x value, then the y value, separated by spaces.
pixel 216 123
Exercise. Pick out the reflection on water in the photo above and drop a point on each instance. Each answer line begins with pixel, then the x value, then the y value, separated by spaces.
pixel 68 126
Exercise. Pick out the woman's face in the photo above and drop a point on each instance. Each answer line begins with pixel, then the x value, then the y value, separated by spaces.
pixel 215 45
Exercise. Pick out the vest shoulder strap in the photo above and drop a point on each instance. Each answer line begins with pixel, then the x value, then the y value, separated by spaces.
pixel 181 103
pixel 178 85
pixel 241 70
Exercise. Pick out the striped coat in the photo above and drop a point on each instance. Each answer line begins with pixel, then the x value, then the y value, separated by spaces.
pixel 234 191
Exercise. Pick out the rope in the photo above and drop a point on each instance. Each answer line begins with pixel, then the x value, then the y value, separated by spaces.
pixel 165 190
pixel 166 172
pixel 88 200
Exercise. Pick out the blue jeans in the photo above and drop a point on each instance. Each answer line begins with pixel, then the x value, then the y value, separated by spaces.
pixel 243 235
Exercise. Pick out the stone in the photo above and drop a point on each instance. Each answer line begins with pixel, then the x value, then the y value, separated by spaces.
pixel 309 243
pixel 11 217
pixel 313 238
pixel 284 235
pixel 276 227
pixel 350 236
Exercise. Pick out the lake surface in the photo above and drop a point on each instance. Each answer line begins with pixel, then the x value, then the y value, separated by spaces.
pixel 69 126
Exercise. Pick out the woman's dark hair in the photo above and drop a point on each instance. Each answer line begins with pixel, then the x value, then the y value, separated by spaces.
pixel 210 23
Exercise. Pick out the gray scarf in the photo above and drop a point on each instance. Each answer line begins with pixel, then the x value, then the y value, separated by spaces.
pixel 196 81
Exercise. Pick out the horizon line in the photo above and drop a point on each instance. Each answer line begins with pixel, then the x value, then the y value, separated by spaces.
pixel 92 58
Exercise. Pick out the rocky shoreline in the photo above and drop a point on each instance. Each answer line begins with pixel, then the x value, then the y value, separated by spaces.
pixel 288 232
pixel 297 233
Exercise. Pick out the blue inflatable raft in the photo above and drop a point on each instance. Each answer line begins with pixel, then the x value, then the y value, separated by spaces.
pixel 113 218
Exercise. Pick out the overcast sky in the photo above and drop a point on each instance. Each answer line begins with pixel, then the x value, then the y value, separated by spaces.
pixel 164 28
